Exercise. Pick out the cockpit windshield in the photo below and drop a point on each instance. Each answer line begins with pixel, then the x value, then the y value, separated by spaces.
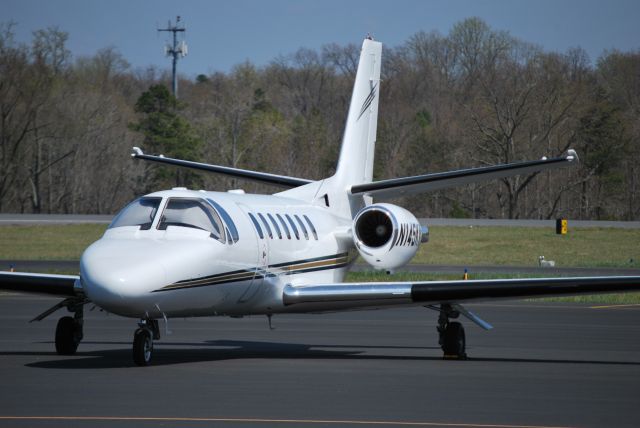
pixel 193 213
pixel 140 212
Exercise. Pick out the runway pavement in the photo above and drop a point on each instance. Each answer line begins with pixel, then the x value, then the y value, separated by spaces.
pixel 542 365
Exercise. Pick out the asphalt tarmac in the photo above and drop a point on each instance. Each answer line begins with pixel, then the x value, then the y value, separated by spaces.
pixel 543 365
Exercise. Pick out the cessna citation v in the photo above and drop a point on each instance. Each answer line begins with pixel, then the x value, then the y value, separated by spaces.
pixel 186 253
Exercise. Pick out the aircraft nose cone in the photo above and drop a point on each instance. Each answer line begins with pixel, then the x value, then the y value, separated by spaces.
pixel 114 276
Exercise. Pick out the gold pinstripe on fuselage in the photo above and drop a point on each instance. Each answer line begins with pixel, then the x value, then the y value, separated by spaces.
pixel 326 262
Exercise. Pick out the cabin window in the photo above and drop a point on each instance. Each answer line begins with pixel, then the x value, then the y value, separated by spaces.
pixel 266 225
pixel 231 226
pixel 275 225
pixel 284 225
pixel 256 225
pixel 140 212
pixel 193 213
pixel 293 226
pixel 304 229
pixel 313 229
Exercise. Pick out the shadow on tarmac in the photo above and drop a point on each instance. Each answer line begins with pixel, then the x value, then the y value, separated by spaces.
pixel 240 350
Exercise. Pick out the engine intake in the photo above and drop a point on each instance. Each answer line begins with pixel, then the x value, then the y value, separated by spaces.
pixel 387 236
pixel 375 228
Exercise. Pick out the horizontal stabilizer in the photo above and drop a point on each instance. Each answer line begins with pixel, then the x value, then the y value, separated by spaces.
pixel 324 297
pixel 261 177
pixel 398 187
pixel 57 285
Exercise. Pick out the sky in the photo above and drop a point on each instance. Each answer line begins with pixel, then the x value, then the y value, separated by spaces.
pixel 221 34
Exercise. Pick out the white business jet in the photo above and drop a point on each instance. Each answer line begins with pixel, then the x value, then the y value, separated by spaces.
pixel 187 253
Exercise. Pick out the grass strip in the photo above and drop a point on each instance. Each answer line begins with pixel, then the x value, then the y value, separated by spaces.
pixel 521 246
pixel 47 242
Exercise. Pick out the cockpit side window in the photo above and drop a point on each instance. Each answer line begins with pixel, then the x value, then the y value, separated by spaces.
pixel 194 213
pixel 233 230
pixel 140 212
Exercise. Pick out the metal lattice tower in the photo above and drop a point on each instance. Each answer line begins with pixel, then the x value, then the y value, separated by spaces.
pixel 175 50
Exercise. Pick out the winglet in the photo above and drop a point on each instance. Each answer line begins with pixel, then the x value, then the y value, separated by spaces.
pixel 137 151
pixel 572 155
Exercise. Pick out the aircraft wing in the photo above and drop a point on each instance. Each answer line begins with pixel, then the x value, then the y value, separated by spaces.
pixel 328 297
pixel 261 177
pixel 397 187
pixel 56 285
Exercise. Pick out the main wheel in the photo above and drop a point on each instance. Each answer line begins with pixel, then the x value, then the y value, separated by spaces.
pixel 142 347
pixel 453 343
pixel 67 337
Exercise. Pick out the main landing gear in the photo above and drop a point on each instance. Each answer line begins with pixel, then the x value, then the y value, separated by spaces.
pixel 69 329
pixel 143 338
pixel 452 339
pixel 69 332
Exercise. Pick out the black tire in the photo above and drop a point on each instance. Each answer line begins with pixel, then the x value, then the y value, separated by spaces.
pixel 142 347
pixel 454 344
pixel 67 338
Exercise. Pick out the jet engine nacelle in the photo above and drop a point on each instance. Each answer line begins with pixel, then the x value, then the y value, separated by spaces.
pixel 387 236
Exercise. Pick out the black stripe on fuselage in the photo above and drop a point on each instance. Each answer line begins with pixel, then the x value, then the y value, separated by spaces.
pixel 218 275
pixel 315 259
pixel 334 261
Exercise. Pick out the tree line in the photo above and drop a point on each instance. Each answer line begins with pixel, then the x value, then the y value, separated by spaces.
pixel 473 97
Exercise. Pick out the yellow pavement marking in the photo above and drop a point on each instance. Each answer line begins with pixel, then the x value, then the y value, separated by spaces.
pixel 270 421
pixel 630 305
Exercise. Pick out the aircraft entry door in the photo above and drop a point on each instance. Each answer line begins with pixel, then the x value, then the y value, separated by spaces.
pixel 262 256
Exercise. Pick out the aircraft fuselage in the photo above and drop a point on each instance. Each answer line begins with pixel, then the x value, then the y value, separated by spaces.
pixel 178 270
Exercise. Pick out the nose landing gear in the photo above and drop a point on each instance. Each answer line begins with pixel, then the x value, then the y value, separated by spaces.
pixel 143 338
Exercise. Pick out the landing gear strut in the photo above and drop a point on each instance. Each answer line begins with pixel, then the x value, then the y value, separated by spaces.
pixel 69 331
pixel 452 339
pixel 143 338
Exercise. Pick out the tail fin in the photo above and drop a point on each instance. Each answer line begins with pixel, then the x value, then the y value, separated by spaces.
pixel 355 164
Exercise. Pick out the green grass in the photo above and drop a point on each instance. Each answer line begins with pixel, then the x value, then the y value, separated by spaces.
pixel 516 246
pixel 51 242
pixel 521 246
pixel 376 276
pixel 582 247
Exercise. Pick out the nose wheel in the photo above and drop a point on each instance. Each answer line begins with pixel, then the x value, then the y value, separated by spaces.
pixel 143 341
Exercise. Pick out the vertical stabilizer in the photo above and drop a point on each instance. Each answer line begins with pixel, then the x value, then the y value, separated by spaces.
pixel 355 164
